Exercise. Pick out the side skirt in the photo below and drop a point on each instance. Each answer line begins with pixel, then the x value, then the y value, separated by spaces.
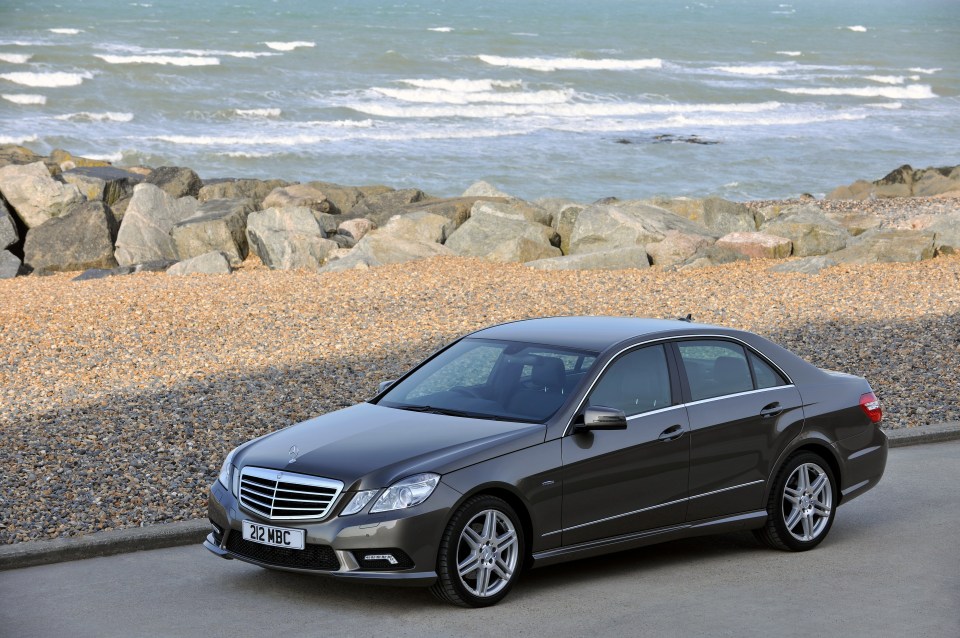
pixel 748 520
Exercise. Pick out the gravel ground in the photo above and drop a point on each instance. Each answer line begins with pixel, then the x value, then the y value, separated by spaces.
pixel 120 397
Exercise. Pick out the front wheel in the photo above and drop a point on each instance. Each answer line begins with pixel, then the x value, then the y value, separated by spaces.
pixel 481 553
pixel 802 507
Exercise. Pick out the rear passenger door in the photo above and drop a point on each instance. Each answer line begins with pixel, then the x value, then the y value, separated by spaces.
pixel 741 409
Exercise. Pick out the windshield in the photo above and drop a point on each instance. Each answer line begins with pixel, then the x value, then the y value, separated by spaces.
pixel 504 380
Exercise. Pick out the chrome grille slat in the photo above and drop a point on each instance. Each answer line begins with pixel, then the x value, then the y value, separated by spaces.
pixel 279 495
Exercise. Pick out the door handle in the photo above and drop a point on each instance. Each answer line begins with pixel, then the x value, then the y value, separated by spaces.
pixel 671 433
pixel 773 409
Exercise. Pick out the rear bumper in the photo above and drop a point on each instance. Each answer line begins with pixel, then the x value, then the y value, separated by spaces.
pixel 863 461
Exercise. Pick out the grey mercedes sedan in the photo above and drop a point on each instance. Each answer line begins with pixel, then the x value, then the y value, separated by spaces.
pixel 540 441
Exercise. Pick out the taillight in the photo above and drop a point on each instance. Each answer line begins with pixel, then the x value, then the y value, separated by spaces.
pixel 870 404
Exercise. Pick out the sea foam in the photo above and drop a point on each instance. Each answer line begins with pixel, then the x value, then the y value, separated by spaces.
pixel 163 60
pixel 886 79
pixel 437 96
pixel 65 31
pixel 25 98
pixel 463 86
pixel 571 64
pixel 23 139
pixel 749 69
pixel 792 54
pixel 15 58
pixel 858 28
pixel 46 80
pixel 85 116
pixel 440 29
pixel 290 46
pixel 911 92
pixel 258 112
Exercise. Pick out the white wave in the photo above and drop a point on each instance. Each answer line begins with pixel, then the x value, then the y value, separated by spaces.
pixel 96 117
pixel 65 31
pixel 15 58
pixel 886 79
pixel 911 92
pixel 46 80
pixel 346 123
pixel 749 69
pixel 25 98
pixel 305 140
pixel 571 64
pixel 893 106
pixel 526 34
pixel 240 54
pixel 568 110
pixel 464 86
pixel 258 112
pixel 106 157
pixel 163 60
pixel 245 154
pixel 697 121
pixel 440 29
pixel 433 96
pixel 23 139
pixel 918 69
pixel 289 46
pixel 792 54
pixel 858 28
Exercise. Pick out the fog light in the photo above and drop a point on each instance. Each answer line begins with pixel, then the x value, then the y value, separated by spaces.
pixel 387 557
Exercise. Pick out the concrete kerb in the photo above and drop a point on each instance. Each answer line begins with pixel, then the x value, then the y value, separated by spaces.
pixel 111 542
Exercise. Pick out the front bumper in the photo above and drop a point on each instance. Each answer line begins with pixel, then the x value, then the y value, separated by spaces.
pixel 415 532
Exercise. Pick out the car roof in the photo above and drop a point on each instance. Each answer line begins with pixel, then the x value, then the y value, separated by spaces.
pixel 588 333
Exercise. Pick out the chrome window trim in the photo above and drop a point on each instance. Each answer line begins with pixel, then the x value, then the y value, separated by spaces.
pixel 738 394
pixel 569 428
pixel 652 507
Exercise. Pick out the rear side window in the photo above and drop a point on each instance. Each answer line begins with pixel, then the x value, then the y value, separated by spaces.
pixel 715 368
pixel 766 376
pixel 637 382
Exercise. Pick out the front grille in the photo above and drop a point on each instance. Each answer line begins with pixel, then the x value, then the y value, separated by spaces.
pixel 278 495
pixel 318 557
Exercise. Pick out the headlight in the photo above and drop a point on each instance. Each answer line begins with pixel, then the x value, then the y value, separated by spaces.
pixel 226 468
pixel 411 491
pixel 358 502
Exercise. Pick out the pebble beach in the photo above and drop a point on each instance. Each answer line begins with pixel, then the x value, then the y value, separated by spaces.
pixel 120 397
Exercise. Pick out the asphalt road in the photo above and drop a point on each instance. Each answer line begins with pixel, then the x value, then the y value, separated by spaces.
pixel 890 567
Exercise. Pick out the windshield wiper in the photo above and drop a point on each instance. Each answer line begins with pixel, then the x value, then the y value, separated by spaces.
pixel 433 410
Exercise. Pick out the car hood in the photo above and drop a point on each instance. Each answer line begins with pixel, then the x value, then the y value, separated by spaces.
pixel 369 446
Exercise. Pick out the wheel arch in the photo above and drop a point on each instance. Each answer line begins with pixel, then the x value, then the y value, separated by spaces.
pixel 818 446
pixel 515 501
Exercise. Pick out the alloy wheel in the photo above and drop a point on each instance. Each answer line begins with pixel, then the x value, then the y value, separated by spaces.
pixel 487 553
pixel 807 502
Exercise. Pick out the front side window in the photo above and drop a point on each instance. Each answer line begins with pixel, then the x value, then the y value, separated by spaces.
pixel 637 382
pixel 715 368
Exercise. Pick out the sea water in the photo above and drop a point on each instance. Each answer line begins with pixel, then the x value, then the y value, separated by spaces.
pixel 566 98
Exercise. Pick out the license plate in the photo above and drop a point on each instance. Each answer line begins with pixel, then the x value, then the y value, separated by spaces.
pixel 274 536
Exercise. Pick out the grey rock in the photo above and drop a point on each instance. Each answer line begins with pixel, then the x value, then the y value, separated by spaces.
pixel 484 189
pixel 145 229
pixel 176 181
pixel 806 265
pixel 500 238
pixel 355 228
pixel 455 209
pixel 420 226
pixel 155 265
pixel 218 225
pixel 564 220
pixel 888 246
pixel 211 263
pixel 380 249
pixel 713 255
pixel 716 214
pixel 252 189
pixel 342 199
pixel 329 224
pixel 103 184
pixel 35 196
pixel 811 232
pixel 15 154
pixel 946 231
pixel 617 259
pixel 345 242
pixel 380 208
pixel 288 238
pixel 677 247
pixel 854 222
pixel 608 226
pixel 757 245
pixel 103 273
pixel 903 182
pixel 296 196
pixel 79 239
pixel 514 209
pixel 9 265
pixel 8 228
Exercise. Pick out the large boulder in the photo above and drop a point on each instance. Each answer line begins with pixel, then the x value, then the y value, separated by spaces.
pixel 35 196
pixel 484 189
pixel 145 230
pixel 380 208
pixel 355 229
pixel 103 184
pixel 903 182
pixel 9 265
pixel 677 247
pixel 716 214
pixel 15 154
pixel 936 181
pixel 252 189
pixel 420 226
pixel 855 222
pixel 176 181
pixel 617 259
pixel 501 238
pixel 564 219
pixel 455 209
pixel 757 245
pixel 288 238
pixel 811 232
pixel 8 228
pixel 888 245
pixel 298 196
pixel 218 225
pixel 379 249
pixel 713 255
pixel 514 209
pixel 946 231
pixel 69 161
pixel 211 263
pixel 79 239
pixel 343 198
pixel 622 224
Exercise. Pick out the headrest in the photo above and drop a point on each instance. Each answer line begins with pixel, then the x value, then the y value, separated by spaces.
pixel 548 372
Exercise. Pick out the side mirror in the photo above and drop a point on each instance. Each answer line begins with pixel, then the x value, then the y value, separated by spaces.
pixel 601 418
pixel 384 385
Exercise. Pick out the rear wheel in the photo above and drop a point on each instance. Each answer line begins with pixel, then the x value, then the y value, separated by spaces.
pixel 801 508
pixel 481 553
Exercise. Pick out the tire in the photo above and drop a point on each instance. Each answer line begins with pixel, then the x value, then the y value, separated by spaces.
pixel 802 504
pixel 481 553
